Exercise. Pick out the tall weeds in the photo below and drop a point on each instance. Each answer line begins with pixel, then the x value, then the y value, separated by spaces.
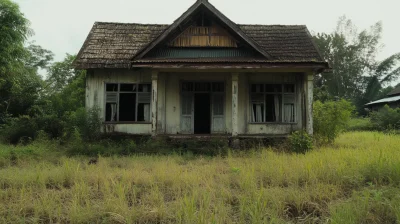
pixel 355 180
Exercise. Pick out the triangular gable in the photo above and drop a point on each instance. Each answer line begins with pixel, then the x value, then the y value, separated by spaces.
pixel 204 36
pixel 185 21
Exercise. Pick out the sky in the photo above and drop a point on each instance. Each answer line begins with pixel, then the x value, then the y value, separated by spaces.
pixel 63 25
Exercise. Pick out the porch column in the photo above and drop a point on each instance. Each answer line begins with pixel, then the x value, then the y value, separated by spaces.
pixel 235 94
pixel 154 78
pixel 309 90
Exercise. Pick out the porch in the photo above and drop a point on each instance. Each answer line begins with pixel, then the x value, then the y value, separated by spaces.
pixel 205 103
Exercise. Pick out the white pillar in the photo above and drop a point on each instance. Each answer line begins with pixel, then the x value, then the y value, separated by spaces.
pixel 235 94
pixel 309 90
pixel 154 78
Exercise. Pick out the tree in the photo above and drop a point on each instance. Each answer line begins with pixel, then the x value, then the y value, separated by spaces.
pixel 350 54
pixel 381 74
pixel 62 73
pixel 14 29
pixel 65 87
pixel 355 74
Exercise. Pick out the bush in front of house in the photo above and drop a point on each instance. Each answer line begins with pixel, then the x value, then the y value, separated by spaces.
pixel 300 142
pixel 330 119
pixel 87 122
pixel 386 119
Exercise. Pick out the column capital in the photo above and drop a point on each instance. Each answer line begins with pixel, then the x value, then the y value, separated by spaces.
pixel 235 76
pixel 154 74
pixel 310 76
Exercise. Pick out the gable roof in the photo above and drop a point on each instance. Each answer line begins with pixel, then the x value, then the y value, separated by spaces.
pixel 121 45
pixel 185 20
pixel 395 91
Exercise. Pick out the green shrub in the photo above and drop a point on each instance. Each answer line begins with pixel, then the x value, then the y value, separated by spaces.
pixel 52 125
pixel 300 142
pixel 330 119
pixel 386 119
pixel 87 122
pixel 20 129
pixel 360 124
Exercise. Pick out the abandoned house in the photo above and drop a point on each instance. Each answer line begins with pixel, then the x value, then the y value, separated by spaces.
pixel 201 75
pixel 392 100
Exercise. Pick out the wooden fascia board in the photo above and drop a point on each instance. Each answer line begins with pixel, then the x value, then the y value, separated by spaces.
pixel 312 67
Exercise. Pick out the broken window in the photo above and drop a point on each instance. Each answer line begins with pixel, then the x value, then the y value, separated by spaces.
pixel 272 103
pixel 128 102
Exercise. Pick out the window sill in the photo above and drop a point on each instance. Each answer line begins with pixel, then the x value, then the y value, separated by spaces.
pixel 271 123
pixel 127 122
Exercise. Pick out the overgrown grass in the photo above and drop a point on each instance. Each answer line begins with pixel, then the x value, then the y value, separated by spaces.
pixel 356 180
pixel 360 124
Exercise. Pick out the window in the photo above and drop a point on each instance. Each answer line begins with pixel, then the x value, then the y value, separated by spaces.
pixel 128 102
pixel 272 103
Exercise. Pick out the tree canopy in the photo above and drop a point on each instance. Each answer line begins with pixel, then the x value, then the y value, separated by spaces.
pixel 356 74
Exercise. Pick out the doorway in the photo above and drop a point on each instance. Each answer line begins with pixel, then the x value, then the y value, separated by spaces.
pixel 202 113
pixel 202 108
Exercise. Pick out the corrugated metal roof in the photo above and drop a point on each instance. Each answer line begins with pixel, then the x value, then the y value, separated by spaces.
pixel 176 53
pixel 385 100
pixel 219 60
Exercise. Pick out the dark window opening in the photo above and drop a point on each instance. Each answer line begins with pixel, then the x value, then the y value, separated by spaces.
pixel 218 87
pixel 128 88
pixel 127 104
pixel 143 112
pixel 202 86
pixel 272 103
pixel 111 111
pixel 273 108
pixel 273 88
pixel 112 87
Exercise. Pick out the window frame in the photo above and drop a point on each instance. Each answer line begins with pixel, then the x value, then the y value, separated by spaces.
pixel 118 99
pixel 264 93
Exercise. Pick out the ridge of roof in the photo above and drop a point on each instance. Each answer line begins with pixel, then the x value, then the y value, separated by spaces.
pixel 177 23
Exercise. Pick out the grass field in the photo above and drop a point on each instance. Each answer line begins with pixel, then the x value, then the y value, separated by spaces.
pixel 356 180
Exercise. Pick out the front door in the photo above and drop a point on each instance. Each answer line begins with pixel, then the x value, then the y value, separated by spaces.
pixel 187 113
pixel 202 107
pixel 202 113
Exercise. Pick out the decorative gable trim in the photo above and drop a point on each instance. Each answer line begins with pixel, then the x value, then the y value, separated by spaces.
pixel 183 20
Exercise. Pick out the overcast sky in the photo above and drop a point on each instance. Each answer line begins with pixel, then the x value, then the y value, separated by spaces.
pixel 62 25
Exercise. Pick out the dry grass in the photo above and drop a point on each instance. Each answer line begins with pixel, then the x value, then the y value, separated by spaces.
pixel 354 181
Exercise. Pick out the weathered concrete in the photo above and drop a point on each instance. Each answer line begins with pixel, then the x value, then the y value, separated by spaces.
pixel 154 97
pixel 166 99
pixel 235 103
pixel 309 87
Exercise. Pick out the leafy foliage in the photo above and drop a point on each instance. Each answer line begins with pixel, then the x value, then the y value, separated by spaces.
pixel 386 119
pixel 356 75
pixel 14 29
pixel 330 119
pixel 300 142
